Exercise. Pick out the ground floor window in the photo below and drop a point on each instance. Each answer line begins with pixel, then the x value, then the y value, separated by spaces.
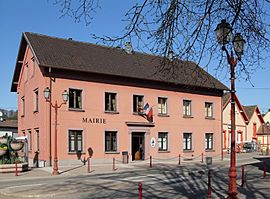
pixel 208 141
pixel 187 141
pixel 110 141
pixel 162 141
pixel 75 140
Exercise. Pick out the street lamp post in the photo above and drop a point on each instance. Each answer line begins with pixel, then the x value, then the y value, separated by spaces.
pixel 223 33
pixel 47 94
pixel 267 131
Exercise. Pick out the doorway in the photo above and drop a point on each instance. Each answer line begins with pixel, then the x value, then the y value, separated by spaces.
pixel 138 146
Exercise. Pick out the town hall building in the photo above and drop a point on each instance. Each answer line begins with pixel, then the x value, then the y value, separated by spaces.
pixel 118 101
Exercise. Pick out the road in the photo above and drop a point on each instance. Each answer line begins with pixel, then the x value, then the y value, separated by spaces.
pixel 161 181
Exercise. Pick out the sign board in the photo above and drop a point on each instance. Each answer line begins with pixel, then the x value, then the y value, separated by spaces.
pixel 153 142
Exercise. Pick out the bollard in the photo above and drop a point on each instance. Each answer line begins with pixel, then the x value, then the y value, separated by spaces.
pixel 264 169
pixel 209 191
pixel 16 168
pixel 140 190
pixel 127 158
pixel 179 161
pixel 150 161
pixel 202 157
pixel 243 176
pixel 89 166
pixel 113 164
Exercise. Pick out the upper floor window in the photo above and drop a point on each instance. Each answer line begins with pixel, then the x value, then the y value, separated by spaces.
pixel 75 98
pixel 162 141
pixel 110 141
pixel 187 141
pixel 137 103
pixel 36 100
pixel 208 141
pixel 162 105
pixel 208 109
pixel 187 107
pixel 22 106
pixel 110 102
pixel 75 140
pixel 26 72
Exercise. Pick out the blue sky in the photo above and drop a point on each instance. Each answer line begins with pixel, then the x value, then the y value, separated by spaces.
pixel 43 17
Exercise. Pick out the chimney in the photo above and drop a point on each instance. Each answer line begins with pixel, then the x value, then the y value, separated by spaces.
pixel 128 48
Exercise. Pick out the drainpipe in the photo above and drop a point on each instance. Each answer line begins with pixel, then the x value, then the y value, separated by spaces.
pixel 50 119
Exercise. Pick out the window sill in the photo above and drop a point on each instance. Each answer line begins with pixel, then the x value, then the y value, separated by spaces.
pixel 209 150
pixel 209 118
pixel 112 152
pixel 76 109
pixel 163 115
pixel 188 151
pixel 72 153
pixel 187 116
pixel 164 151
pixel 138 113
pixel 111 112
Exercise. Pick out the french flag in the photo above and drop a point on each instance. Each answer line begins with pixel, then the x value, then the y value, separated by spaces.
pixel 146 109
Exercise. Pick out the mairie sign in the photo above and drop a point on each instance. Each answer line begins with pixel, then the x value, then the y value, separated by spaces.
pixel 94 120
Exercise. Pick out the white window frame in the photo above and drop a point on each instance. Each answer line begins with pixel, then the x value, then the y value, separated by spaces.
pixel 209 141
pixel 209 109
pixel 187 141
pixel 187 110
pixel 162 105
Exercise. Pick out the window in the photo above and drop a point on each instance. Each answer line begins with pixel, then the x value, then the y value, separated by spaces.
pixel 162 141
pixel 137 103
pixel 187 107
pixel 75 140
pixel 23 106
pixel 187 141
pixel 110 141
pixel 75 98
pixel 162 105
pixel 208 109
pixel 208 141
pixel 36 100
pixel 36 139
pixel 26 72
pixel 29 140
pixel 110 102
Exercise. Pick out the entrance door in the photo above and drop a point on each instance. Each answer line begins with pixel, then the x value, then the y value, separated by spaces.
pixel 138 149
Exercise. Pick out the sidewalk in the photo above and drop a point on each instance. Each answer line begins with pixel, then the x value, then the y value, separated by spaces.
pixel 80 169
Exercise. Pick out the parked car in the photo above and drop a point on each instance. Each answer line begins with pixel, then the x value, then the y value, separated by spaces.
pixel 249 147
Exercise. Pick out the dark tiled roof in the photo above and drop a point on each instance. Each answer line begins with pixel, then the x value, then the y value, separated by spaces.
pixel 249 110
pixel 79 56
pixel 9 124
pixel 263 130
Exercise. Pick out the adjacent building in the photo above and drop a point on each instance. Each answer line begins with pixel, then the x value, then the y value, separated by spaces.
pixel 241 122
pixel 9 128
pixel 119 101
pixel 255 121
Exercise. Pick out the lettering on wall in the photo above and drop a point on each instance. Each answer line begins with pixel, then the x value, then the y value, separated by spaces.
pixel 94 120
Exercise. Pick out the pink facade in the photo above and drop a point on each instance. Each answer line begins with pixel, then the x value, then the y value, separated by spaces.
pixel 85 122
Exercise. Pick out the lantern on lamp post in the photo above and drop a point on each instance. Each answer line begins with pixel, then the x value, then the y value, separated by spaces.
pixel 47 95
pixel 223 32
